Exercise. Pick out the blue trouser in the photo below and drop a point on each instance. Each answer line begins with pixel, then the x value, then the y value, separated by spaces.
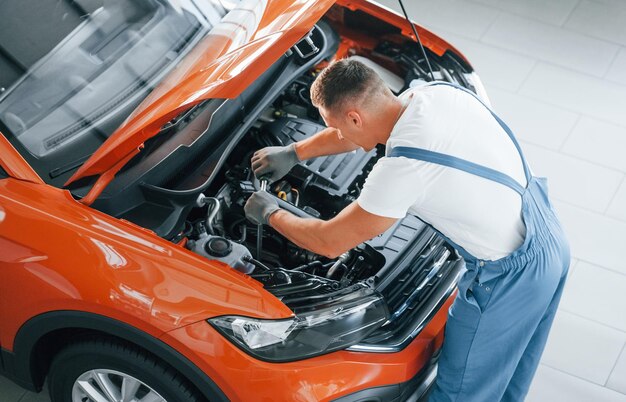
pixel 499 322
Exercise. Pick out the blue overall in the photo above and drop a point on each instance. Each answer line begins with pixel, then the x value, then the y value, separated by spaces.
pixel 499 322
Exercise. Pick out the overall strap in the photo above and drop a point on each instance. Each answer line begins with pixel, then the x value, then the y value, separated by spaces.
pixel 457 163
pixel 502 124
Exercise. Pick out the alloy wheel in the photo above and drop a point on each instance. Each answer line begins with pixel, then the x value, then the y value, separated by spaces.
pixel 101 385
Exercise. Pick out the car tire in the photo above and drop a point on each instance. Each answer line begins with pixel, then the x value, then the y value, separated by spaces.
pixel 103 367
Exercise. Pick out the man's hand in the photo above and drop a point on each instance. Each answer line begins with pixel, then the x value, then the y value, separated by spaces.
pixel 259 207
pixel 273 163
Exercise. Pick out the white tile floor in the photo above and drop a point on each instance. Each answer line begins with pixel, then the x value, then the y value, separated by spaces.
pixel 556 71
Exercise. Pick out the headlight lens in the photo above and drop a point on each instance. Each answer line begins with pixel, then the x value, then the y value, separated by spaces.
pixel 307 334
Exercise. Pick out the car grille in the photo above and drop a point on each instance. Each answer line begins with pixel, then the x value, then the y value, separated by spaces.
pixel 415 285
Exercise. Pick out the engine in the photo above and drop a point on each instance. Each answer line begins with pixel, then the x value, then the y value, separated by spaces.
pixel 317 188
pixel 218 229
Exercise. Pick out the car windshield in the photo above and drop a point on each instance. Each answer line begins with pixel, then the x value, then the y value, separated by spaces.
pixel 71 71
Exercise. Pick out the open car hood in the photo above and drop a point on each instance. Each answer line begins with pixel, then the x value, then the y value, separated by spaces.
pixel 247 41
pixel 233 54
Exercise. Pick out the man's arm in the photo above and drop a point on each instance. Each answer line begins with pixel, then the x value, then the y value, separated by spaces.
pixel 351 227
pixel 275 162
pixel 325 142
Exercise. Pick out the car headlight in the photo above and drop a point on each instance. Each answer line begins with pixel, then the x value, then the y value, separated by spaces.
pixel 308 334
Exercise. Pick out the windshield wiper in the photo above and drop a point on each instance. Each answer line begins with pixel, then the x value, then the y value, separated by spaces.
pixel 67 167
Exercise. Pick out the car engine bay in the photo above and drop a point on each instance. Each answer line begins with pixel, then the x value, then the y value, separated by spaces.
pixel 317 188
pixel 190 182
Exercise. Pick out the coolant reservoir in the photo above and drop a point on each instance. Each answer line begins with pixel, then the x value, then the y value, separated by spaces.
pixel 224 250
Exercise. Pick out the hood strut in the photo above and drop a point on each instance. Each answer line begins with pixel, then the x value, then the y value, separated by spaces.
pixel 417 38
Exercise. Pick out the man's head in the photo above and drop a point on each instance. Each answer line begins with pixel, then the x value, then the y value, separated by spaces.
pixel 352 98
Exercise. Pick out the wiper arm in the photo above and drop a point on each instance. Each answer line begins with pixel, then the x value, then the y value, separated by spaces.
pixel 67 167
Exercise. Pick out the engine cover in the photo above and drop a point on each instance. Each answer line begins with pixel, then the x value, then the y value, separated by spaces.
pixel 334 173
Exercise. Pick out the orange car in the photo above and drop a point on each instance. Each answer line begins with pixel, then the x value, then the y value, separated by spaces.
pixel 128 270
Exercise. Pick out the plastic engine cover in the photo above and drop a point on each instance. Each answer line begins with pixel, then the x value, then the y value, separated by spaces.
pixel 333 173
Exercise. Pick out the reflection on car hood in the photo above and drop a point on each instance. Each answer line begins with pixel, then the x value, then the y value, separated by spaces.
pixel 238 50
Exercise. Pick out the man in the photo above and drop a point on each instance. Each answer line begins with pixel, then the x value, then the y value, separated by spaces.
pixel 455 164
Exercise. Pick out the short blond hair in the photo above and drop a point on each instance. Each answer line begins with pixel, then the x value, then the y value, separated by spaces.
pixel 345 81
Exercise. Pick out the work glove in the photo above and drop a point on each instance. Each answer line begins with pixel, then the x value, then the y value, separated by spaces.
pixel 259 207
pixel 272 163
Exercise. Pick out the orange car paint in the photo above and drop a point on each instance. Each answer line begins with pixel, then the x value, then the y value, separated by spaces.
pixel 318 379
pixel 48 239
pixel 222 66
pixel 13 163
pixel 231 65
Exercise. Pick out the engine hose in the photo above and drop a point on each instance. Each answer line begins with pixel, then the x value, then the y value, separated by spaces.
pixel 415 65
pixel 243 229
pixel 257 263
pixel 302 97
pixel 447 75
pixel 212 213
pixel 341 260
pixel 314 264
pixel 325 266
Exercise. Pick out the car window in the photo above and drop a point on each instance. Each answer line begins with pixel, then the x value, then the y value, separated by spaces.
pixel 71 71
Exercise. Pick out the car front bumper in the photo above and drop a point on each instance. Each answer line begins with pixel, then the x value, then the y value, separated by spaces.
pixel 414 390
pixel 343 375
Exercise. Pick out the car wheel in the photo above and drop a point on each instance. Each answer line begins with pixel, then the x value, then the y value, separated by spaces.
pixel 109 371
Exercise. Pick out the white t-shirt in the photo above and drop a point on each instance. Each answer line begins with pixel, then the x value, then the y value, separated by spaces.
pixel 480 215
